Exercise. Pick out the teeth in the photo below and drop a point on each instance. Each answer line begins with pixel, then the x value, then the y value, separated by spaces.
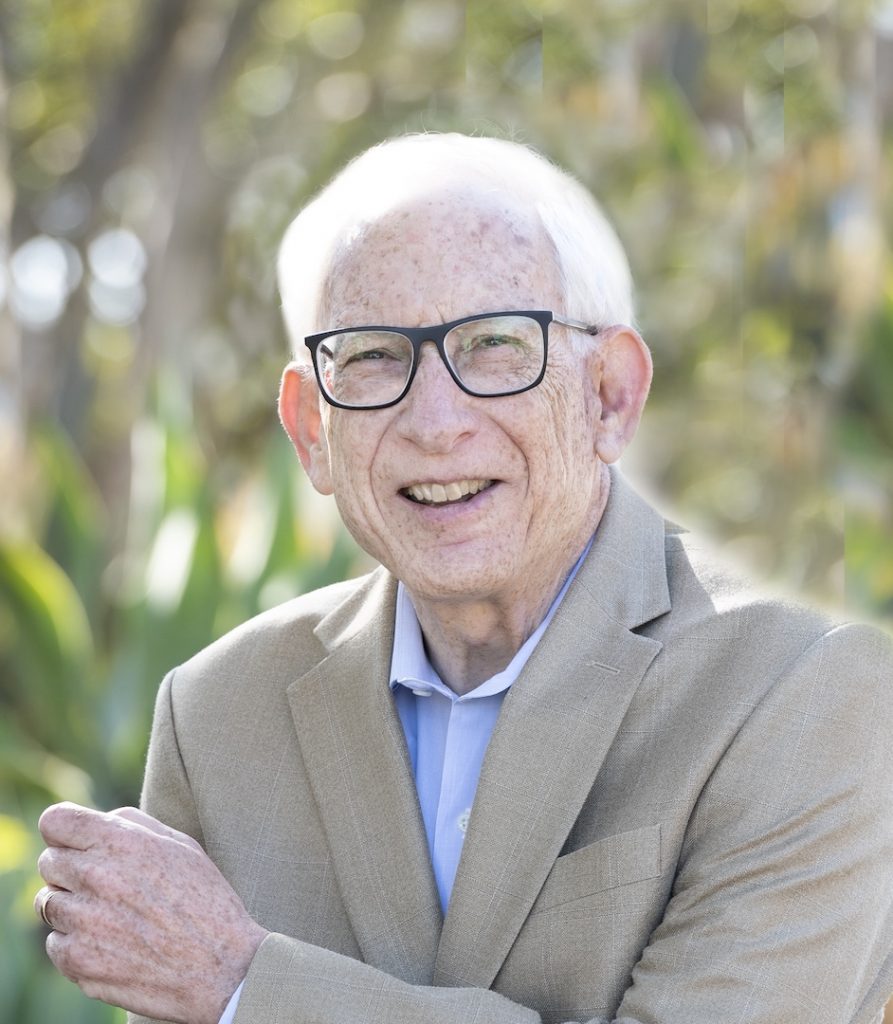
pixel 437 494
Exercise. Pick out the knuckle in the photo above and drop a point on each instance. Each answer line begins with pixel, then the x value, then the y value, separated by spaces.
pixel 78 814
pixel 122 828
pixel 77 963
pixel 38 899
pixel 126 811
pixel 93 876
pixel 120 815
pixel 59 810
pixel 59 951
pixel 50 816
pixel 63 818
pixel 45 862
pixel 57 915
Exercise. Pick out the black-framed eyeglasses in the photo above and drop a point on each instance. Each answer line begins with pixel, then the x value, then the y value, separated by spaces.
pixel 488 355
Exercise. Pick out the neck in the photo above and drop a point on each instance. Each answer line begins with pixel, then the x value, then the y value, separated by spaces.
pixel 468 641
pixel 468 644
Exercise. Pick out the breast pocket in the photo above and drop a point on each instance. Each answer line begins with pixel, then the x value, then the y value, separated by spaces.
pixel 605 864
pixel 573 957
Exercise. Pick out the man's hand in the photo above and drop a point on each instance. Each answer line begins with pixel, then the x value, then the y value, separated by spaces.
pixel 142 918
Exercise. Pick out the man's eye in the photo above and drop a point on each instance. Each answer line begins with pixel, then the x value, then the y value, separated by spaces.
pixel 488 341
pixel 372 353
pixel 369 355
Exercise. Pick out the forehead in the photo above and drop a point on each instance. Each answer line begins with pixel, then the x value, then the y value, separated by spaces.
pixel 440 257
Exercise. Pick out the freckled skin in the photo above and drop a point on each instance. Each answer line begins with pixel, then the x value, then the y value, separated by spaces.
pixel 147 921
pixel 480 581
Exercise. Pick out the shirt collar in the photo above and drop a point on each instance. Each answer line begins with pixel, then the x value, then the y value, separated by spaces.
pixel 411 668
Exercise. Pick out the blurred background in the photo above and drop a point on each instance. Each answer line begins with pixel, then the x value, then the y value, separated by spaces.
pixel 153 154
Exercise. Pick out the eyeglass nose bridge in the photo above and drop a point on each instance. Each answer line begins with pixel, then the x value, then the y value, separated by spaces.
pixel 436 336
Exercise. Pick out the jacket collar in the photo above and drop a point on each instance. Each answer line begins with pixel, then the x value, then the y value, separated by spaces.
pixel 556 726
pixel 554 731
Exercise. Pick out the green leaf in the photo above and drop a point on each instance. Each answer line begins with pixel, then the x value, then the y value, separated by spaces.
pixel 51 619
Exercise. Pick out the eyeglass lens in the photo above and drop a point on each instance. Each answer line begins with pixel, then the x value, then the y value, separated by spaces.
pixel 490 356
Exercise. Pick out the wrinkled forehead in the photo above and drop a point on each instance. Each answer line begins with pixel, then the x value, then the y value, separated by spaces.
pixel 450 249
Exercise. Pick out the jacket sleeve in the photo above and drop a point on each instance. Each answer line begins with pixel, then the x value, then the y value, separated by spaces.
pixel 166 793
pixel 781 906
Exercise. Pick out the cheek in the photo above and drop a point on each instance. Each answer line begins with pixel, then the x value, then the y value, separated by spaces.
pixel 346 463
pixel 355 457
pixel 569 416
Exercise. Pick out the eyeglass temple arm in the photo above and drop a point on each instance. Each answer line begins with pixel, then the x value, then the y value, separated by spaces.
pixel 578 324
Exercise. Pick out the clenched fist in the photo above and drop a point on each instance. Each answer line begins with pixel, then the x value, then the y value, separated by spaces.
pixel 141 916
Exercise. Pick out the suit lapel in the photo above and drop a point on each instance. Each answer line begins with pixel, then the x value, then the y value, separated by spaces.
pixel 355 755
pixel 555 729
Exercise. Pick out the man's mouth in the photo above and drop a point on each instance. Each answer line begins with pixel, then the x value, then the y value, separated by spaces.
pixel 445 494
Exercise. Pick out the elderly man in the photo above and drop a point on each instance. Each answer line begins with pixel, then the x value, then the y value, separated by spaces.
pixel 548 763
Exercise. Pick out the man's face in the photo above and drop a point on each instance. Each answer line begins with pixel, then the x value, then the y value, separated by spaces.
pixel 531 485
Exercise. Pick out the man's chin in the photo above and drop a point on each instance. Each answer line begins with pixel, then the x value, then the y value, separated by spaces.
pixel 445 583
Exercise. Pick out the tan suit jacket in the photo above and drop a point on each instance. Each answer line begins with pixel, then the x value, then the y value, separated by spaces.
pixel 685 813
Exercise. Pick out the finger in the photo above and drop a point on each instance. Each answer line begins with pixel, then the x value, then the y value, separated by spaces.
pixel 138 817
pixel 61 867
pixel 58 947
pixel 40 898
pixel 47 906
pixel 71 825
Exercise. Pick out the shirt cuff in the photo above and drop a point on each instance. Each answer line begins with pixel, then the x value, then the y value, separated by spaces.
pixel 230 1012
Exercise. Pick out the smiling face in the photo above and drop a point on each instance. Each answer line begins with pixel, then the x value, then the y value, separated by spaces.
pixel 462 498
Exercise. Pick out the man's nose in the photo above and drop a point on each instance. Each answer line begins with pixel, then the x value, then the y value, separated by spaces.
pixel 436 413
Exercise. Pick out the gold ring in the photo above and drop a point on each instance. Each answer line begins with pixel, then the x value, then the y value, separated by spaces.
pixel 44 903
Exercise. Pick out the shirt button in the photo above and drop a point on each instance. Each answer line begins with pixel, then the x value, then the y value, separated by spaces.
pixel 422 693
pixel 462 820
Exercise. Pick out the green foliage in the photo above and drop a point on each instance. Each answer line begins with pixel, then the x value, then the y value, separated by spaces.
pixel 150 501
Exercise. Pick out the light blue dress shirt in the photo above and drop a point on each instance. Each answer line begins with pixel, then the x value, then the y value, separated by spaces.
pixel 447 737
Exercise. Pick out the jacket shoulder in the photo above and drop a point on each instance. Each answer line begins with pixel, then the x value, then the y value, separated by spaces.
pixel 712 598
pixel 269 650
pixel 748 637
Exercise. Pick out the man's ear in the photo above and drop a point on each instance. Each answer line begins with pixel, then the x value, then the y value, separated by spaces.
pixel 620 369
pixel 300 414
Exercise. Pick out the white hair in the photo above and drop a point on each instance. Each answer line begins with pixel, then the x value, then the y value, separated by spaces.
pixel 592 265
